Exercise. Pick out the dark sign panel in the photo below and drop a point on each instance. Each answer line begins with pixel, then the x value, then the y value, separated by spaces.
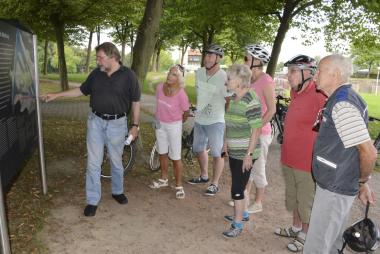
pixel 18 115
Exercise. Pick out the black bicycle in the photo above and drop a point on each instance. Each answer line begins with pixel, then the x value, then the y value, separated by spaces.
pixel 129 155
pixel 187 146
pixel 277 122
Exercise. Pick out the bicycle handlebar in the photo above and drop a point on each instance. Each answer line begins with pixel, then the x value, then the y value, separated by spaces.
pixel 371 118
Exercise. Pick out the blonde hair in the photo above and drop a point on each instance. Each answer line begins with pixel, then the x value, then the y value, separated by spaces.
pixel 180 75
pixel 242 72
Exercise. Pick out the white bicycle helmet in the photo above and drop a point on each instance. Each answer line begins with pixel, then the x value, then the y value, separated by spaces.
pixel 259 52
pixel 215 49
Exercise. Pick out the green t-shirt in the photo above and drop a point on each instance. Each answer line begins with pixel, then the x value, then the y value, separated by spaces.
pixel 241 117
pixel 211 93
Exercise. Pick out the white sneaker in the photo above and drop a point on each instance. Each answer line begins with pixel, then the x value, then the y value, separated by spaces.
pixel 255 208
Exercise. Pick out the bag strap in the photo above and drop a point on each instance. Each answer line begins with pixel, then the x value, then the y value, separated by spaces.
pixel 366 210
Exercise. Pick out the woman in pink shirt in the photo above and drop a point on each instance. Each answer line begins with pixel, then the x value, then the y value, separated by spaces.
pixel 171 104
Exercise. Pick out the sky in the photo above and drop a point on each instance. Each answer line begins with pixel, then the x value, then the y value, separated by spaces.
pixel 290 47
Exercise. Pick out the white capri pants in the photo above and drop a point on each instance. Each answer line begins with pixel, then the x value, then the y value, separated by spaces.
pixel 169 139
pixel 258 175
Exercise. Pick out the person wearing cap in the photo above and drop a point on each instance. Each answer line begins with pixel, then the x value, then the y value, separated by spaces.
pixel 297 148
pixel 343 156
pixel 172 106
pixel 209 125
pixel 113 90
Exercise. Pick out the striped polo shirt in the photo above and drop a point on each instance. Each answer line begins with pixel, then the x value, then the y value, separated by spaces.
pixel 241 118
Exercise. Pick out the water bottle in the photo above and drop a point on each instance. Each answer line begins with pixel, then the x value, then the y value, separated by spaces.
pixel 128 140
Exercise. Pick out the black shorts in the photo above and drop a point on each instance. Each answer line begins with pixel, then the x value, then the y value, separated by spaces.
pixel 239 179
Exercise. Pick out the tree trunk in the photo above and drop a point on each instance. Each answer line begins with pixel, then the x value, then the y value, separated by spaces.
pixel 59 28
pixel 146 38
pixel 369 69
pixel 46 47
pixel 153 62
pixel 123 51
pixel 132 35
pixel 158 59
pixel 183 52
pixel 280 36
pixel 88 57
pixel 98 34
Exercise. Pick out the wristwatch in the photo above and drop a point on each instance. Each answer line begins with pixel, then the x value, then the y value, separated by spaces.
pixel 250 154
pixel 135 124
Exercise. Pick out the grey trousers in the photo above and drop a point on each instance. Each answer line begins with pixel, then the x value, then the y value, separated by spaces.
pixel 327 223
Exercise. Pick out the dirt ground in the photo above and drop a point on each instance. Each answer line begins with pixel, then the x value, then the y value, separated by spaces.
pixel 155 222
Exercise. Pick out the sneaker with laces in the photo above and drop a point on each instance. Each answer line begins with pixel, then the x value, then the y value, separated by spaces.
pixel 197 180
pixel 212 189
pixel 231 218
pixel 232 232
pixel 255 208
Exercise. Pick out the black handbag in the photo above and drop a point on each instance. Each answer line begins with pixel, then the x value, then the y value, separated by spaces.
pixel 362 236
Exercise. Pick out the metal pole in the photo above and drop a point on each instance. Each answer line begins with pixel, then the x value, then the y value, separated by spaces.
pixel 39 121
pixel 377 80
pixel 5 246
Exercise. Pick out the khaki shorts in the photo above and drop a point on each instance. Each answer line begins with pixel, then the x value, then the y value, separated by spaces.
pixel 299 192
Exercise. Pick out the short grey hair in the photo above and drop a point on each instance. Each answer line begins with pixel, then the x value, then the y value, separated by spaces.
pixel 242 72
pixel 343 65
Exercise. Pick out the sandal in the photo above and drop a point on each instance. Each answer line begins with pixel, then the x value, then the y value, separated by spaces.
pixel 296 245
pixel 286 232
pixel 159 183
pixel 180 194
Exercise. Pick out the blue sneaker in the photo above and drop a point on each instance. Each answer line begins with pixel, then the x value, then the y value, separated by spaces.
pixel 232 232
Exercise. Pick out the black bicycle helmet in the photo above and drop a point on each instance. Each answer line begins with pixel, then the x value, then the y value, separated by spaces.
pixel 303 62
pixel 215 49
pixel 362 236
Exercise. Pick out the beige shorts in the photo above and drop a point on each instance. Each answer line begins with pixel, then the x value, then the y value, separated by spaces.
pixel 299 192
pixel 169 139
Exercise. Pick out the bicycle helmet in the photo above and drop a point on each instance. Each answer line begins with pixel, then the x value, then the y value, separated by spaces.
pixel 259 52
pixel 362 236
pixel 215 49
pixel 303 62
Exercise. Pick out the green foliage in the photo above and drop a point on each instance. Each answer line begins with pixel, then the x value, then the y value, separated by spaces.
pixel 166 60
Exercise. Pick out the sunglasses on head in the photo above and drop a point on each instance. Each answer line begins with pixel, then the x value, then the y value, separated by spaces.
pixel 318 120
pixel 181 69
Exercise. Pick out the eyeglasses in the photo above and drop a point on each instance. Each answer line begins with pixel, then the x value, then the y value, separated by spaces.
pixel 318 120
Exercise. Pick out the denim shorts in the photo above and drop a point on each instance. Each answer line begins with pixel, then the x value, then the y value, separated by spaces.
pixel 209 136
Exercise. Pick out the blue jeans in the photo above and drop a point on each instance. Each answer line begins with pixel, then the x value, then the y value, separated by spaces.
pixel 100 133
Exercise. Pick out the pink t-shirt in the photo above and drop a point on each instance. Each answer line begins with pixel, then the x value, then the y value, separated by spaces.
pixel 258 86
pixel 170 109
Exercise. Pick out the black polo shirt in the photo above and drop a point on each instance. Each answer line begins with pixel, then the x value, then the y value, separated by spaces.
pixel 114 94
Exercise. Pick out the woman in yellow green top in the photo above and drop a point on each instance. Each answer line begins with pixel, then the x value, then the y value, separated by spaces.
pixel 243 126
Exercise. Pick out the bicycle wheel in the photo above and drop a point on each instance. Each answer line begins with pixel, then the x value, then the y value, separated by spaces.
pixel 154 161
pixel 128 160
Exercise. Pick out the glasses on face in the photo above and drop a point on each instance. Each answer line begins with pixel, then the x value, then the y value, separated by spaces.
pixel 318 120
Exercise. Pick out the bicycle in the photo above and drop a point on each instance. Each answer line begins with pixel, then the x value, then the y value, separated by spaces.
pixel 277 122
pixel 128 159
pixel 187 147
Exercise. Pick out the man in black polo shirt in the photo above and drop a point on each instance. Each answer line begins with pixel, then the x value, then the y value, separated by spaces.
pixel 113 89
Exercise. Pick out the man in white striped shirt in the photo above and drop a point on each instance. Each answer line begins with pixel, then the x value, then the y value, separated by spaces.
pixel 343 157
